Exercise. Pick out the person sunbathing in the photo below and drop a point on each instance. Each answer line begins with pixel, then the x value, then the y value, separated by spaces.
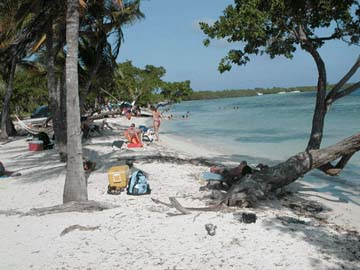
pixel 239 170
pixel 133 134
pixel 89 165
pixel 231 175
pixel 6 173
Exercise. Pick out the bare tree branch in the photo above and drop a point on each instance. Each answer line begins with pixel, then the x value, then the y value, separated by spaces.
pixel 332 170
pixel 333 36
pixel 331 95
pixel 347 91
pixel 78 227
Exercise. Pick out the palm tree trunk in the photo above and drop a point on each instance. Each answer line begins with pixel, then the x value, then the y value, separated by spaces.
pixel 61 96
pixel 57 94
pixel 54 98
pixel 75 188
pixel 6 107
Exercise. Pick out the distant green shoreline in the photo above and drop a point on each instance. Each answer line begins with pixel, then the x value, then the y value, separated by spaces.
pixel 207 94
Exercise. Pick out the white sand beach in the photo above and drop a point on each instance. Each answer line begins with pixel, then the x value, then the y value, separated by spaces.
pixel 140 234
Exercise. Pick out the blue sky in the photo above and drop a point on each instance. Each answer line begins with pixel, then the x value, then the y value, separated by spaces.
pixel 169 36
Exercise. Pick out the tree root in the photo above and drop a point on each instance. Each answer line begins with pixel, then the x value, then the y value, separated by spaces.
pixel 11 212
pixel 78 227
pixel 86 206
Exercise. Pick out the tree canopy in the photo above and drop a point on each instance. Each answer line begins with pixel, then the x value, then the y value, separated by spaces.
pixel 146 85
pixel 278 27
pixel 128 82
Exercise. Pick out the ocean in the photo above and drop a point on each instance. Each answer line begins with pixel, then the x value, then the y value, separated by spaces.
pixel 267 128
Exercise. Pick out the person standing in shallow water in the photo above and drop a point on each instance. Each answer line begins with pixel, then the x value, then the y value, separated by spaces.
pixel 156 121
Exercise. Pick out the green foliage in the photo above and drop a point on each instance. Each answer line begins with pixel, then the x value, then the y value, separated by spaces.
pixel 176 91
pixel 101 23
pixel 199 95
pixel 245 92
pixel 277 27
pixel 146 85
pixel 27 84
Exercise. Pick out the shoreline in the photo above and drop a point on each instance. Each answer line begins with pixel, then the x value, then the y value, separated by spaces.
pixel 165 239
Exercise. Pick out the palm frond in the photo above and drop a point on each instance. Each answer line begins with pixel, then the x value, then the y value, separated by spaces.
pixel 39 43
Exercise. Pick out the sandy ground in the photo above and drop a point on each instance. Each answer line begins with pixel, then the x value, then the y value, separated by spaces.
pixel 139 234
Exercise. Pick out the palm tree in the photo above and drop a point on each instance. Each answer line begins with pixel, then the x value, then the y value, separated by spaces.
pixel 31 12
pixel 102 20
pixel 13 48
pixel 75 188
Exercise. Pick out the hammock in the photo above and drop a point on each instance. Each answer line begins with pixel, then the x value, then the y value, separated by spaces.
pixel 33 130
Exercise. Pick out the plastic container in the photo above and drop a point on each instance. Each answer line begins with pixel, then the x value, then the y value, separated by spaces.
pixel 36 145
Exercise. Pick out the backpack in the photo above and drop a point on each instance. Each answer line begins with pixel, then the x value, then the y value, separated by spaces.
pixel 138 184
pixel 42 136
pixel 148 135
pixel 117 144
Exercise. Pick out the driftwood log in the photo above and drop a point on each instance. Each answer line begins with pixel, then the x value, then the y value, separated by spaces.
pixel 174 203
pixel 78 227
pixel 105 114
pixel 255 186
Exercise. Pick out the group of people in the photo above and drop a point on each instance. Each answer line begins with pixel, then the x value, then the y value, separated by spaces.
pixel 134 134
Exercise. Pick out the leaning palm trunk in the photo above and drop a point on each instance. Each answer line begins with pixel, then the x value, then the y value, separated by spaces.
pixel 75 188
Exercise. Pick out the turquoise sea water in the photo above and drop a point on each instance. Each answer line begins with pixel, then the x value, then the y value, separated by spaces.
pixel 267 128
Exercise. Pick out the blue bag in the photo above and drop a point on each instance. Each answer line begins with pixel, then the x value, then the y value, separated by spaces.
pixel 138 184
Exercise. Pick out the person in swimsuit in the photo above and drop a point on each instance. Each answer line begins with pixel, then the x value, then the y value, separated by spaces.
pixel 133 135
pixel 156 121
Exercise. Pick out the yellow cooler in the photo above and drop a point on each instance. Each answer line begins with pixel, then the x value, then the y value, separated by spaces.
pixel 118 178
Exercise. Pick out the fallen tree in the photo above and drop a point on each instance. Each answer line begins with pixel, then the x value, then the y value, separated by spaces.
pixel 278 27
pixel 251 187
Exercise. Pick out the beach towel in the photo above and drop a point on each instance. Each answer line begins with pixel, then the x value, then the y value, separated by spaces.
pixel 209 176
pixel 205 177
pixel 134 145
